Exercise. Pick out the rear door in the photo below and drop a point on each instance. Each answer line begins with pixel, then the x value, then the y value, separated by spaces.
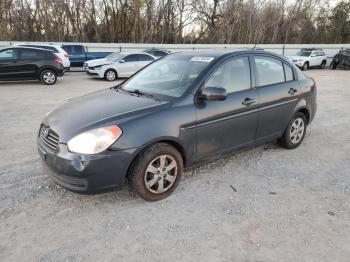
pixel 29 61
pixel 8 63
pixel 278 91
pixel 230 124
pixel 144 60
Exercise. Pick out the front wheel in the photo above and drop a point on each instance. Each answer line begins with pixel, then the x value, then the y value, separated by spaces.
pixel 305 66
pixel 323 65
pixel 295 132
pixel 48 77
pixel 110 75
pixel 156 172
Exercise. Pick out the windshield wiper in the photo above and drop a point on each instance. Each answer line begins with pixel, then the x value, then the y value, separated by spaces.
pixel 138 92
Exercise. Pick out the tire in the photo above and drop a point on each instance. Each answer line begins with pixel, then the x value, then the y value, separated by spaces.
pixel 146 177
pixel 333 65
pixel 110 75
pixel 323 65
pixel 295 132
pixel 305 66
pixel 48 77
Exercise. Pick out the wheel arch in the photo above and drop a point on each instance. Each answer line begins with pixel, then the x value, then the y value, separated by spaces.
pixel 166 140
pixel 47 68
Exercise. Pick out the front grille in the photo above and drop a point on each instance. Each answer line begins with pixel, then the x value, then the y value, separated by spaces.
pixel 295 60
pixel 48 138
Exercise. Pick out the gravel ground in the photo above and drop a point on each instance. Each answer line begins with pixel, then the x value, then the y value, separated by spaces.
pixel 266 204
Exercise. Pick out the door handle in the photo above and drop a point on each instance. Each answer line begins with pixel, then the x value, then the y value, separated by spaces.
pixel 292 91
pixel 248 101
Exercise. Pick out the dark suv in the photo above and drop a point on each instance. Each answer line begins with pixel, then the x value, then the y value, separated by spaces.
pixel 176 112
pixel 19 63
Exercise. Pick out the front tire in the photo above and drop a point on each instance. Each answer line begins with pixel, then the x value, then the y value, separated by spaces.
pixel 156 172
pixel 110 75
pixel 305 66
pixel 294 134
pixel 323 65
pixel 48 77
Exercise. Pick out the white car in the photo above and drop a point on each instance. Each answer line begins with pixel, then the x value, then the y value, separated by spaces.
pixel 124 64
pixel 307 58
pixel 57 50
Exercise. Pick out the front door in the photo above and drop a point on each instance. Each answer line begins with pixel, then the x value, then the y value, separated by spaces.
pixel 230 124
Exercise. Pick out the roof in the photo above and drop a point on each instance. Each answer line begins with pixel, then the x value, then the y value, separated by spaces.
pixel 26 47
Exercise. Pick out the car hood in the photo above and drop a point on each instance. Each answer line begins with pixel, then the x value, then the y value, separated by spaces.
pixel 98 62
pixel 98 109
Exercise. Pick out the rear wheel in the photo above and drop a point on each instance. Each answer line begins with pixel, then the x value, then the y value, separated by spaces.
pixel 48 77
pixel 305 66
pixel 156 172
pixel 295 132
pixel 111 75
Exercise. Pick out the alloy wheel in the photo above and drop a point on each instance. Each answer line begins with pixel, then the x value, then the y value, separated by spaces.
pixel 297 131
pixel 110 75
pixel 160 174
pixel 49 78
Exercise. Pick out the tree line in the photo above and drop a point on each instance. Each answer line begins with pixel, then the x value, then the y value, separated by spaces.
pixel 176 21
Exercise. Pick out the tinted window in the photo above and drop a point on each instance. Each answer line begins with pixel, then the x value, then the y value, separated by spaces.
pixel 32 54
pixel 131 58
pixel 79 49
pixel 159 53
pixel 269 70
pixel 289 72
pixel 145 58
pixel 68 49
pixel 7 54
pixel 233 75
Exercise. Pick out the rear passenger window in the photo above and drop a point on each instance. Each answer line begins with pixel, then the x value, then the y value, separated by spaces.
pixel 32 54
pixel 289 72
pixel 269 70
pixel 234 75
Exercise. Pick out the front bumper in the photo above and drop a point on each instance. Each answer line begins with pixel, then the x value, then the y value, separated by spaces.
pixel 86 172
pixel 93 72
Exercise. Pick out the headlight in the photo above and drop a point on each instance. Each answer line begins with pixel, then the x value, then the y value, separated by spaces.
pixel 94 141
pixel 97 67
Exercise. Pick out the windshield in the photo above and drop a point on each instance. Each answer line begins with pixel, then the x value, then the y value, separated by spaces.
pixel 114 57
pixel 170 76
pixel 303 53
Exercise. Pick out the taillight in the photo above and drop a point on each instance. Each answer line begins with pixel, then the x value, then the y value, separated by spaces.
pixel 58 60
pixel 66 55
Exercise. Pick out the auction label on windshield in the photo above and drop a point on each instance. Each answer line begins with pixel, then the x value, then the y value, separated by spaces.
pixel 206 59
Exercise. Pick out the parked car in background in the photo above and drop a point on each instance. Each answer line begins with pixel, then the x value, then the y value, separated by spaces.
pixel 78 54
pixel 19 63
pixel 59 51
pixel 158 53
pixel 124 64
pixel 101 61
pixel 342 59
pixel 310 57
pixel 174 113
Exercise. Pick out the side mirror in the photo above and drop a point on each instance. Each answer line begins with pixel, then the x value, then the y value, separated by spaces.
pixel 213 94
pixel 122 61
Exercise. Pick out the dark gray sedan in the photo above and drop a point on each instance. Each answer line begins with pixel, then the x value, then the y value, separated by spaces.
pixel 180 110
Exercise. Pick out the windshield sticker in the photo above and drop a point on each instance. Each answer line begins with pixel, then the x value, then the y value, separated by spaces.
pixel 206 59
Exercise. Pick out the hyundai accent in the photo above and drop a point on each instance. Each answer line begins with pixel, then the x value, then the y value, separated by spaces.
pixel 174 113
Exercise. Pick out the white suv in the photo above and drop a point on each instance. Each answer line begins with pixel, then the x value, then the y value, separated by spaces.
pixel 307 58
pixel 57 50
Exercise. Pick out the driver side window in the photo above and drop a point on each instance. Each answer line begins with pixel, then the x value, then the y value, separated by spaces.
pixel 233 75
